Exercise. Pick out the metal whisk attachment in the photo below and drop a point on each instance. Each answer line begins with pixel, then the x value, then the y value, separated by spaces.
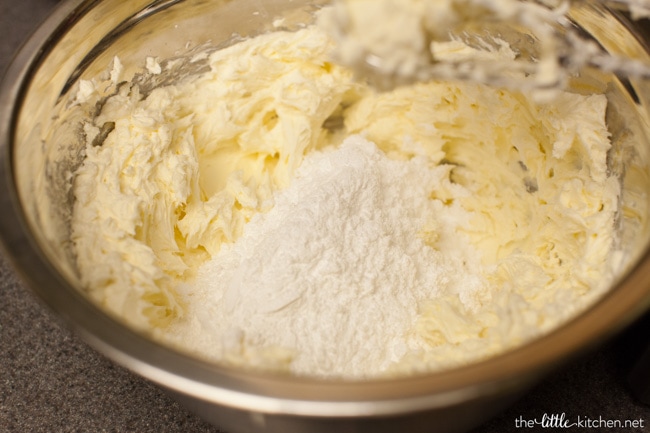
pixel 472 40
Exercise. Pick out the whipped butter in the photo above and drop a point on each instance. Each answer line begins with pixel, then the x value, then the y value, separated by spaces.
pixel 172 179
pixel 187 166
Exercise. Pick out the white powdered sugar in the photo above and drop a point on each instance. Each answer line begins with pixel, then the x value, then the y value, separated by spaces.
pixel 332 275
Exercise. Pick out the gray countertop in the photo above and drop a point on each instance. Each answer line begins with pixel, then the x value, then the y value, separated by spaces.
pixel 51 381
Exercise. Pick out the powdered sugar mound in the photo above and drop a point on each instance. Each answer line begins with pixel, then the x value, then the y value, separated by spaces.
pixel 329 280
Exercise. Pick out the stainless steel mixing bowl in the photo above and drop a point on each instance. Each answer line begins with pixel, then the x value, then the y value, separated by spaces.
pixel 79 40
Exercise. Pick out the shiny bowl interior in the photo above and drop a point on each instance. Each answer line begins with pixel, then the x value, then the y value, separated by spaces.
pixel 38 150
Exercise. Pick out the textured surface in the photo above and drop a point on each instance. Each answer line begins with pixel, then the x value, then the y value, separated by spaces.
pixel 50 381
